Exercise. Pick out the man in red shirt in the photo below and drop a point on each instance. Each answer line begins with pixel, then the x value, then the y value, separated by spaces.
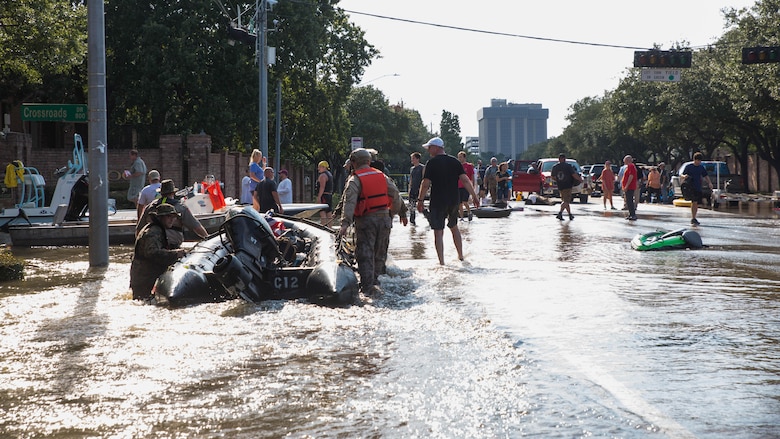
pixel 629 184
pixel 468 168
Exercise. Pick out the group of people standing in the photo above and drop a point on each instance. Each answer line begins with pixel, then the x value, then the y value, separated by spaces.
pixel 259 186
pixel 655 184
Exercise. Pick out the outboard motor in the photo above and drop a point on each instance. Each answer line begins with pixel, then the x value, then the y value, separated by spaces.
pixel 254 247
pixel 79 199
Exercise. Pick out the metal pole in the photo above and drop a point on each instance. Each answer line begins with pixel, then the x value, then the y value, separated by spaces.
pixel 262 59
pixel 277 159
pixel 98 136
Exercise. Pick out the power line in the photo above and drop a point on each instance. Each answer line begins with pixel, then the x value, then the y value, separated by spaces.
pixel 489 32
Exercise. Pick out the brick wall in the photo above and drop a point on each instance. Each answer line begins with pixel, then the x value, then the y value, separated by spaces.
pixel 227 167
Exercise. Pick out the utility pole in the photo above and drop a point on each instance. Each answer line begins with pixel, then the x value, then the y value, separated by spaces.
pixel 98 135
pixel 261 12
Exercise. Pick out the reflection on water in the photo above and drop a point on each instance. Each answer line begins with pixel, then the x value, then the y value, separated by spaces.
pixel 548 329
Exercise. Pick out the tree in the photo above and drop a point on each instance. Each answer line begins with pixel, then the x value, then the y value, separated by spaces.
pixel 450 132
pixel 43 48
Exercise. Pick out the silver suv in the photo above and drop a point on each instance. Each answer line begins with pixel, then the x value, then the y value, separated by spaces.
pixel 550 187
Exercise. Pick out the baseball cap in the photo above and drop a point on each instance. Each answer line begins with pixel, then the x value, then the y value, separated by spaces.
pixel 436 141
pixel 283 171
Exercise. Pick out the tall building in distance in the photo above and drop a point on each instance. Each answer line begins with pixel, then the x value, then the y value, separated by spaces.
pixel 509 129
pixel 472 145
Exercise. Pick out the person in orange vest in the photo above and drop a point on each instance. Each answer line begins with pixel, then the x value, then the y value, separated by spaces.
pixel 371 200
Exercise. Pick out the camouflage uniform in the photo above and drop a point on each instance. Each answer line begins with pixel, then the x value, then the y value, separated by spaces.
pixel 176 233
pixel 372 230
pixel 151 258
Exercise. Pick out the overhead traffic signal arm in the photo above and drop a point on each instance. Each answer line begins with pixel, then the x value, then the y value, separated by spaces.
pixel 760 55
pixel 241 35
pixel 670 59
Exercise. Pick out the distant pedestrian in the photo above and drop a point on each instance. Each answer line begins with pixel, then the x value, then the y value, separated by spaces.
pixel 607 179
pixel 565 177
pixel 693 174
pixel 284 188
pixel 153 253
pixel 464 211
pixel 256 166
pixel 324 188
pixel 629 183
pixel 266 193
pixel 664 182
pixel 503 179
pixel 371 199
pixel 653 186
pixel 415 178
pixel 136 174
pixel 246 188
pixel 491 179
pixel 149 192
pixel 441 176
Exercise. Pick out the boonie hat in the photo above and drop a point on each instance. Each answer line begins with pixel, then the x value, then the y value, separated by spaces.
pixel 167 187
pixel 154 175
pixel 165 209
pixel 436 141
pixel 324 164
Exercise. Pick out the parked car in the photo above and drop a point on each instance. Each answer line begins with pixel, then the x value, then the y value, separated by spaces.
pixel 526 177
pixel 550 188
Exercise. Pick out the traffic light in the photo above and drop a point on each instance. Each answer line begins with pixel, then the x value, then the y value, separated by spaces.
pixel 760 55
pixel 670 59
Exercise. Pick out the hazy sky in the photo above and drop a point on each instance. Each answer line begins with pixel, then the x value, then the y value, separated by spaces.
pixel 441 68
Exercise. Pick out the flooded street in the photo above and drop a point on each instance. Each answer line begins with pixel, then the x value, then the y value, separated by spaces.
pixel 547 329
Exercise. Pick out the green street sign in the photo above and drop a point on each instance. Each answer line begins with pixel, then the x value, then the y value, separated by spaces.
pixel 54 112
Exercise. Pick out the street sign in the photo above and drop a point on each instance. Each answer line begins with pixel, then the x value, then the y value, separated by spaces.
pixel 662 75
pixel 357 142
pixel 54 112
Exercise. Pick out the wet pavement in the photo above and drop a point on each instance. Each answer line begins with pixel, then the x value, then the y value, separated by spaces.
pixel 548 329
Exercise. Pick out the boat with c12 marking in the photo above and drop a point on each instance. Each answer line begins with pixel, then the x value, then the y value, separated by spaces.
pixel 263 257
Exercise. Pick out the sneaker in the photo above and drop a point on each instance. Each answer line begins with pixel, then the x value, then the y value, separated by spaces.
pixel 694 222
pixel 559 216
pixel 571 217
pixel 631 218
pixel 471 216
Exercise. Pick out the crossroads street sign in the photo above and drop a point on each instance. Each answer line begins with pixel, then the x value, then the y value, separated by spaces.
pixel 54 112
pixel 661 75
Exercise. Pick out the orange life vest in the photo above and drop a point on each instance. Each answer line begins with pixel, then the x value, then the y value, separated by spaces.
pixel 373 193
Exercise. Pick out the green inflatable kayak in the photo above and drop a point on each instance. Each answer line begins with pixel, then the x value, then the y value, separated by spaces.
pixel 665 240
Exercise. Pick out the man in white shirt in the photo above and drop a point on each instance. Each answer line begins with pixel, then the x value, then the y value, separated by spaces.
pixel 149 192
pixel 284 189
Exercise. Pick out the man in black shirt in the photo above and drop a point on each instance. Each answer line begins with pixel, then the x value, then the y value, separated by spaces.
pixel 565 175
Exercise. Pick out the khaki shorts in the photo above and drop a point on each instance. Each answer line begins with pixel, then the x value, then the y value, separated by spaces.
pixel 565 194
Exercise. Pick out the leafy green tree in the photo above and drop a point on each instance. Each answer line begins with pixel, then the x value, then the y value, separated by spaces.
pixel 450 132
pixel 43 48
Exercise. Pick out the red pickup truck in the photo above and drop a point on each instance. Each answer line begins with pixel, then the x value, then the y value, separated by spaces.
pixel 526 177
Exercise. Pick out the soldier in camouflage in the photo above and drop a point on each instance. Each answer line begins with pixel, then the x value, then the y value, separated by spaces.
pixel 153 254
pixel 371 199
